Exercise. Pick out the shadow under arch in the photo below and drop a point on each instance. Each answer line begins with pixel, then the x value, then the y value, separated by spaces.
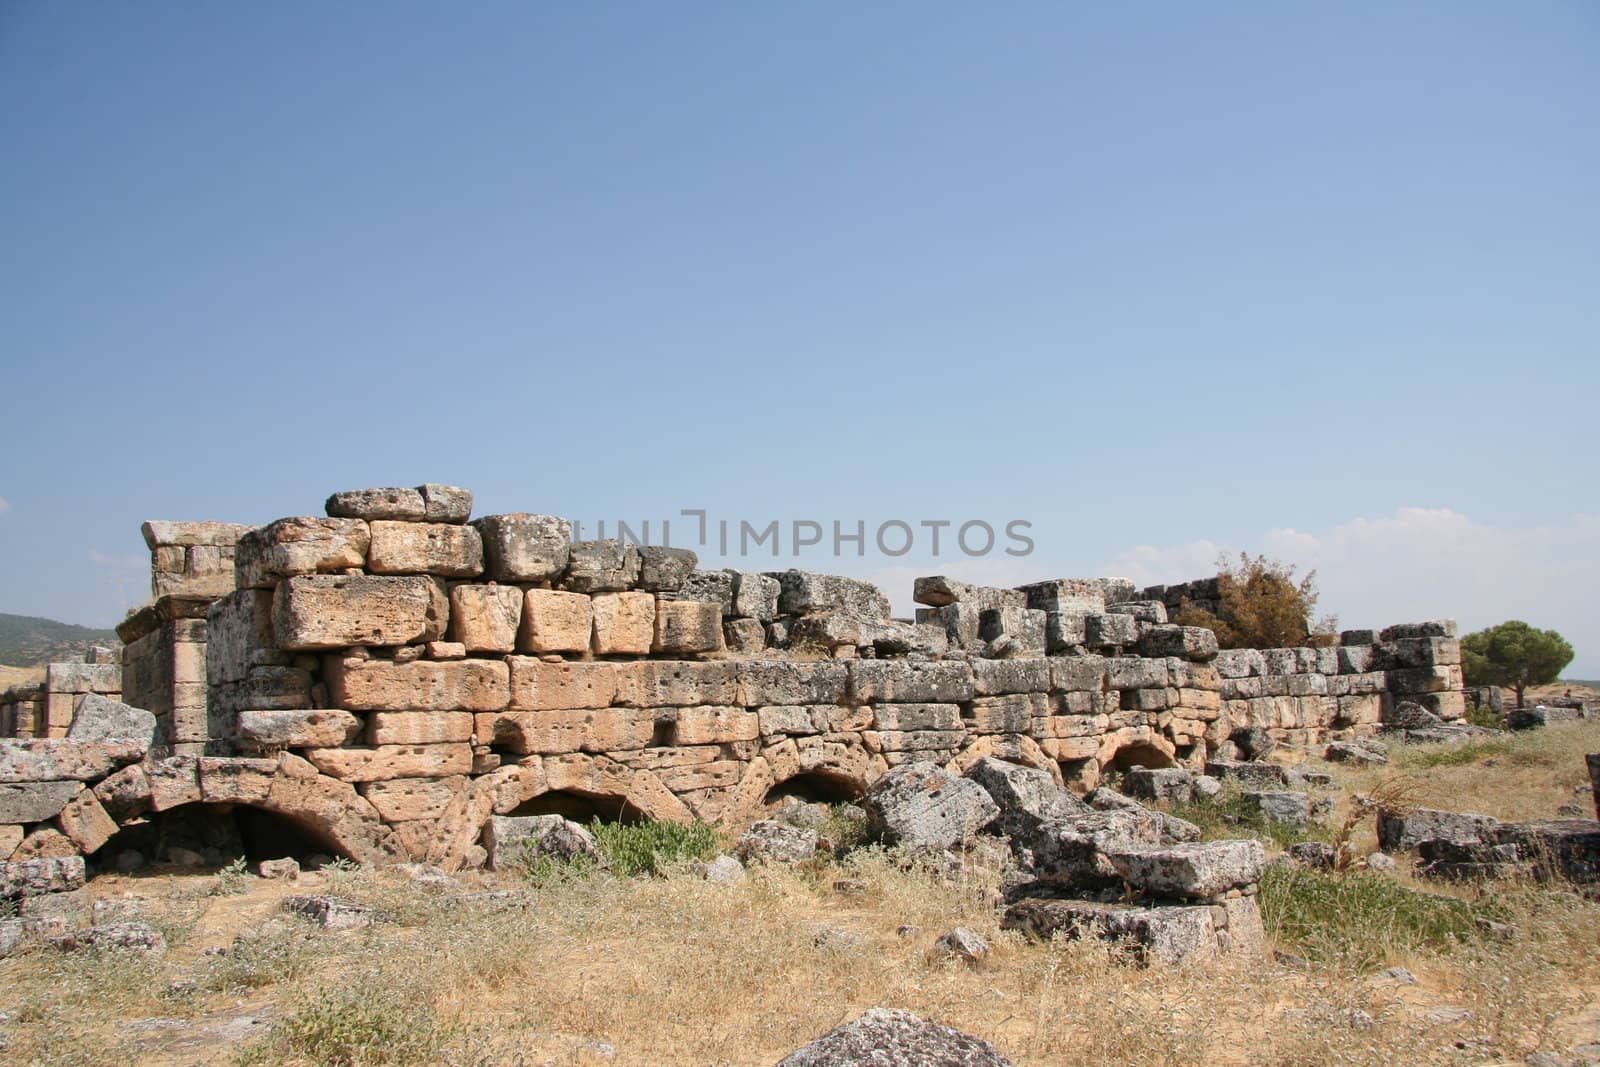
pixel 217 833
pixel 818 786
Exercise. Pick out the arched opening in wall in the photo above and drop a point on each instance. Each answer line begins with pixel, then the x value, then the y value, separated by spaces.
pixel 1139 754
pixel 815 787
pixel 581 807
pixel 209 837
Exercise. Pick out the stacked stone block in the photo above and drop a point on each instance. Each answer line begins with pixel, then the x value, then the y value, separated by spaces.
pixel 46 709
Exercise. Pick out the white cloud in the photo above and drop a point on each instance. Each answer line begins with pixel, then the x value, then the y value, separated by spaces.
pixel 1423 563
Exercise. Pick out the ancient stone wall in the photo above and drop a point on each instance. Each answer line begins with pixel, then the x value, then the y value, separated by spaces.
pixel 389 675
pixel 46 708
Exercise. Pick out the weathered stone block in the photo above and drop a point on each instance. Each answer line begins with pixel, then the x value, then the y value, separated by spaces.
pixel 1064 632
pixel 805 593
pixel 1164 934
pixel 939 591
pixel 1070 596
pixel 661 683
pixel 889 681
pixel 687 626
pixel 538 686
pixel 1434 628
pixel 662 569
pixel 237 626
pixel 392 761
pixel 961 622
pixel 1024 628
pixel 524 548
pixel 1185 642
pixel 755 596
pixel 921 805
pixel 445 549
pixel 714 726
pixel 607 566
pixel 624 623
pixel 914 717
pixel 236 779
pixel 1198 869
pixel 446 503
pixel 313 612
pixel 745 637
pixel 409 799
pixel 58 759
pixel 403 505
pixel 30 802
pixel 421 685
pixel 485 618
pixel 1011 714
pixel 32 878
pixel 418 727
pixel 555 621
pixel 1080 674
pixel 303 545
pixel 303 728
pixel 100 719
pixel 561 730
pixel 1104 631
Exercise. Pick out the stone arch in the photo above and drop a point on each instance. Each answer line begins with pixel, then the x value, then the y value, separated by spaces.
pixel 1013 748
pixel 217 833
pixel 1140 748
pixel 823 784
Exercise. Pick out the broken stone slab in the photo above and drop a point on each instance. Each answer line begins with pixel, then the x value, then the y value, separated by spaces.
pixel 1541 715
pixel 885 1036
pixel 1028 798
pixel 30 878
pixel 1174 785
pixel 303 728
pixel 806 593
pixel 34 801
pixel 300 545
pixel 755 596
pixel 127 937
pixel 514 839
pixel 1284 806
pixel 1172 829
pixel 330 912
pixel 1403 831
pixel 524 548
pixel 1198 870
pixel 663 569
pixel 962 944
pixel 1564 848
pixel 327 611
pixel 922 805
pixel 1352 752
pixel 1250 773
pixel 770 841
pixel 608 566
pixel 938 591
pixel 1151 934
pixel 403 505
pixel 100 718
pixel 58 758
pixel 1072 852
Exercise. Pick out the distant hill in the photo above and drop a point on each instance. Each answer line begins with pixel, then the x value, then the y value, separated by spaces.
pixel 26 641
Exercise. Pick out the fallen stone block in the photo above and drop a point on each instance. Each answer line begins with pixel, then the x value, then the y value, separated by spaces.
pixel 1291 808
pixel 1161 934
pixel 513 840
pixel 744 637
pixel 61 758
pixel 324 611
pixel 921 805
pixel 1028 798
pixel 1402 831
pixel 1249 773
pixel 962 944
pixel 302 545
pixel 35 877
pixel 1541 715
pixel 523 547
pixel 769 841
pixel 330 912
pixel 85 822
pixel 31 802
pixel 1198 870
pixel 886 1036
pixel 126 937
pixel 1556 848
pixel 99 718
pixel 1352 752
pixel 1173 785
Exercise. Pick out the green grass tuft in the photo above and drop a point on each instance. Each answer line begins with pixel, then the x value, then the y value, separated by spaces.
pixel 648 847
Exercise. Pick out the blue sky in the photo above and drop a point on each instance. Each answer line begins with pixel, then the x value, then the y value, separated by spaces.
pixel 1160 279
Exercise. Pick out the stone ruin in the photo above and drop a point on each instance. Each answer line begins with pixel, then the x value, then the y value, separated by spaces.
pixel 385 678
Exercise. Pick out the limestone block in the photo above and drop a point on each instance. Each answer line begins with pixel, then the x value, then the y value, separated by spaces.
pixel 991 677
pixel 624 623
pixel 418 727
pixel 446 503
pixel 911 682
pixel 409 799
pixel 755 596
pixel 607 566
pixel 714 725
pixel 745 637
pixel 83 678
pixel 484 618
pixel 1024 627
pixel 686 626
pixel 29 802
pixel 1165 935
pixel 555 621
pixel 1435 628
pixel 101 719
pixel 1088 674
pixel 1070 596
pixel 1064 631
pixel 421 685
pixel 36 877
pixel 85 822
pixel 57 759
pixel 448 550
pixel 313 612
pixel 301 728
pixel 538 686
pixel 391 761
pixel 714 587
pixel 940 591
pixel 1104 630
pixel 920 805
pixel 807 593
pixel 913 717
pixel 304 545
pixel 523 547
pixel 663 569
pixel 173 782
pixel 402 505
pixel 1011 714
pixel 237 626
pixel 1134 672
pixel 662 683
pixel 562 730
pixel 961 622
pixel 236 779
pixel 1150 611
pixel 794 719
pixel 1186 642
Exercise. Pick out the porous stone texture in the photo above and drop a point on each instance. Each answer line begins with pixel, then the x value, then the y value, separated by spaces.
pixel 511 840
pixel 686 627
pixel 1150 934
pixel 602 567
pixel 555 621
pixel 404 505
pixel 624 624
pixel 1197 870
pixel 315 612
pixel 886 1036
pixel 302 545
pixel 921 805
pixel 663 569
pixel 485 618
pixel 768 841
pixel 445 549
pixel 523 547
